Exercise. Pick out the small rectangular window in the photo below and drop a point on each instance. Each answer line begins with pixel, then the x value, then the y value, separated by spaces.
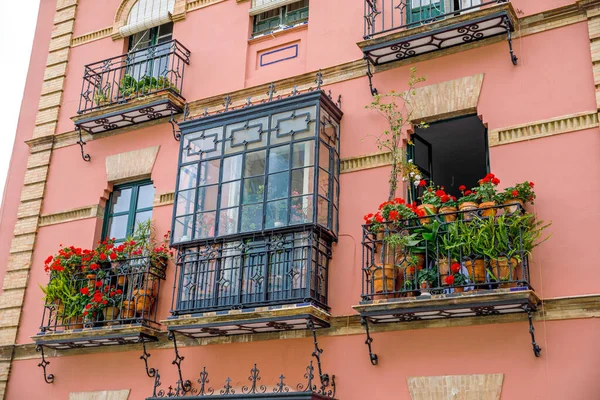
pixel 280 18
pixel 128 205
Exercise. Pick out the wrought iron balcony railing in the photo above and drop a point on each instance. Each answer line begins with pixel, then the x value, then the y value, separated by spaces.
pixel 118 293
pixel 287 268
pixel 467 250
pixel 384 16
pixel 139 73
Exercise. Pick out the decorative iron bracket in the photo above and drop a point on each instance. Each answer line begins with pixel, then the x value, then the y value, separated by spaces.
pixel 513 57
pixel 536 349
pixel 151 372
pixel 86 157
pixel 186 386
pixel 372 356
pixel 176 131
pixel 370 76
pixel 326 381
pixel 49 378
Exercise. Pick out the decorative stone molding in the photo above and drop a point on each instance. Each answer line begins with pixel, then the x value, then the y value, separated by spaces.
pixel 91 36
pixel 540 129
pixel 198 4
pixel 136 164
pixel 447 99
pixel 365 162
pixel 456 387
pixel 104 395
pixel 76 214
pixel 163 199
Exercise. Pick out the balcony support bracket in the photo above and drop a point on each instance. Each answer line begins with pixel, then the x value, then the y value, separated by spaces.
pixel 536 349
pixel 185 386
pixel 370 76
pixel 49 378
pixel 327 387
pixel 513 57
pixel 86 157
pixel 175 126
pixel 372 356
pixel 151 372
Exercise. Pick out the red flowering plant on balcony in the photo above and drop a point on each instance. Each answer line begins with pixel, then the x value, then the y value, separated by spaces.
pixel 97 296
pixel 522 192
pixel 467 195
pixel 486 191
pixel 396 212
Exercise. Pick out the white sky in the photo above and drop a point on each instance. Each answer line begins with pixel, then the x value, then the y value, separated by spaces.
pixel 16 39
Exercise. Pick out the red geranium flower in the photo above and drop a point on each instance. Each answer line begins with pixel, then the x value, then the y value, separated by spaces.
pixel 462 188
pixel 422 183
pixel 411 270
pixel 88 306
pixel 515 193
pixel 94 266
pixel 531 184
pixel 113 256
pixel 98 283
pixel 455 267
pixel 449 279
pixel 48 260
pixel 103 256
pixel 119 291
pixel 440 193
pixel 445 198
pixel 85 291
pixel 378 218
pixel 495 181
pixel 468 192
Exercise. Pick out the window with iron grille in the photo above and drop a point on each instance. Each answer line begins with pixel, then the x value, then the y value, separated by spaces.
pixel 129 204
pixel 280 18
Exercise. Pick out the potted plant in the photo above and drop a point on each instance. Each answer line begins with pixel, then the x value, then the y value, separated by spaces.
pixel 475 242
pixel 430 201
pixel 427 278
pixel 102 97
pixel 128 87
pixel 448 207
pixel 487 194
pixel 518 195
pixel 457 280
pixel 468 201
pixel 450 250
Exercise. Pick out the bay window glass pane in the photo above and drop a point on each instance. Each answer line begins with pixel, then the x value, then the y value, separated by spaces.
pixel 323 211
pixel 323 183
pixel 303 154
pixel 145 196
pixel 247 135
pixel 207 198
pixel 117 227
pixel 279 159
pixel 302 181
pixel 278 185
pixel 183 229
pixel 188 176
pixel 277 213
pixel 230 194
pixel 203 144
pixel 232 168
pixel 302 210
pixel 324 157
pixel 253 190
pixel 205 225
pixel 142 217
pixel 185 202
pixel 209 172
pixel 255 163
pixel 298 124
pixel 121 200
pixel 252 217
pixel 228 221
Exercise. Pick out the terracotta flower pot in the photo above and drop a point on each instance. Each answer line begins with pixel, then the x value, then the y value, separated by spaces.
pixel 444 268
pixel 152 285
pixel 428 209
pixel 424 285
pixel 121 280
pixel 128 309
pixel 467 206
pixel 491 212
pixel 512 205
pixel 502 270
pixel 143 301
pixel 459 290
pixel 476 270
pixel 449 217
pixel 110 315
pixel 73 322
pixel 383 278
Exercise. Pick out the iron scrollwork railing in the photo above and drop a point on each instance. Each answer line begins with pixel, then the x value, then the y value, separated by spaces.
pixel 129 287
pixel 449 256
pixel 384 16
pixel 261 270
pixel 119 79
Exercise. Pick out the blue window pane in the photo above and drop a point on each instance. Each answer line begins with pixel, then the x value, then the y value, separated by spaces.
pixel 277 214
pixel 121 200
pixel 145 196
pixel 279 159
pixel 252 217
pixel 278 185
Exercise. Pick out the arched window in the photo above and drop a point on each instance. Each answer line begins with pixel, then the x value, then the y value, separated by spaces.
pixel 147 14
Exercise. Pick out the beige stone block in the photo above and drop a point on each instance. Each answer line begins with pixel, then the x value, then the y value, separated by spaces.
pixel 39 159
pixel 65 14
pixel 463 387
pixel 60 4
pixel 103 395
pixel 18 261
pixel 595 49
pixel 8 336
pixel 55 71
pixel 10 317
pixel 44 130
pixel 45 116
pixel 594 27
pixel 26 225
pixel 4 370
pixel 22 243
pixel 63 28
pixel 134 164
pixel 60 42
pixel 58 56
pixel 53 85
pixel 50 100
pixel 36 175
pixel 12 298
pixel 15 280
pixel 32 192
pixel 29 208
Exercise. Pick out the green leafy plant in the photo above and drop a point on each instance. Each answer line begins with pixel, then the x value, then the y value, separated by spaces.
pixel 467 195
pixel 521 191
pixel 128 86
pixel 429 275
pixel 486 191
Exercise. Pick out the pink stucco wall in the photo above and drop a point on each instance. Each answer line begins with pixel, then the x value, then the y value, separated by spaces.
pixel 542 86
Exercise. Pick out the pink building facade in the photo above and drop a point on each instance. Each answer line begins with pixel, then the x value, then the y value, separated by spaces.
pixel 240 127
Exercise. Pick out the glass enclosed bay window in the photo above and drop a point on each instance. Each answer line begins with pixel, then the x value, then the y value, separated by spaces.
pixel 267 167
